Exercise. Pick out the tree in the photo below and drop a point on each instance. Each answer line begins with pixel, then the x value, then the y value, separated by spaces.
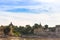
pixel 35 26
pixel 22 29
pixel 6 30
pixel 28 29
pixel 16 31
pixel 46 26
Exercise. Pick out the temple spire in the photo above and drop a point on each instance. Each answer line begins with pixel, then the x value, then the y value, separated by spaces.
pixel 11 29
pixel 40 25
pixel 11 24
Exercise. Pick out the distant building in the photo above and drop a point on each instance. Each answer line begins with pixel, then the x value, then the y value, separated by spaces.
pixel 39 30
pixel 11 29
pixel 57 28
pixel 1 30
pixel 48 31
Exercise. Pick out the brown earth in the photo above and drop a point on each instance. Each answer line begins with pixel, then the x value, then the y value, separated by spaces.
pixel 19 38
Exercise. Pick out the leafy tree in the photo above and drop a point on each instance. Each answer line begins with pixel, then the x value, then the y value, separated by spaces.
pixel 6 30
pixel 16 31
pixel 28 29
pixel 32 30
pixel 35 26
pixel 25 30
pixel 22 29
pixel 46 26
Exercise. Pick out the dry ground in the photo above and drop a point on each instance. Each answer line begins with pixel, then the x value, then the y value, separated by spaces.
pixel 19 38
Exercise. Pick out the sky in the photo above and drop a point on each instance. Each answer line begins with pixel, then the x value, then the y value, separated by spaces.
pixel 29 12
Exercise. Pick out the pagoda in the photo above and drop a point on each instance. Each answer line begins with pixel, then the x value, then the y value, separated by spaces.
pixel 11 29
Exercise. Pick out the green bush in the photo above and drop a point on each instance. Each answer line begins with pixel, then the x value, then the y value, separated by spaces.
pixel 17 34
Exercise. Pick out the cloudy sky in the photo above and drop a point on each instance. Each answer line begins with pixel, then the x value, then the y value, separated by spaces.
pixel 22 12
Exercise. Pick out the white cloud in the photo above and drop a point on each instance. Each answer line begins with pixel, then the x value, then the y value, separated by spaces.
pixel 25 18
pixel 44 0
pixel 51 18
pixel 48 1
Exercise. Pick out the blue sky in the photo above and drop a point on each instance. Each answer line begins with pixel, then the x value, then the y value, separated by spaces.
pixel 22 12
pixel 29 6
